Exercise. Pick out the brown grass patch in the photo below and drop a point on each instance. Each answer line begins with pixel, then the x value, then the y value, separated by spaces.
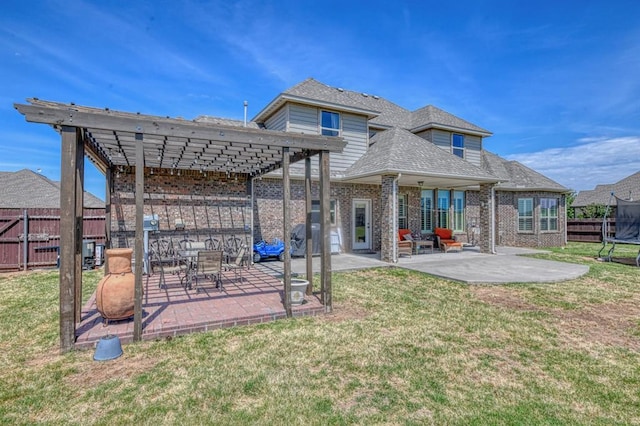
pixel 346 312
pixel 91 373
pixel 608 324
pixel 502 297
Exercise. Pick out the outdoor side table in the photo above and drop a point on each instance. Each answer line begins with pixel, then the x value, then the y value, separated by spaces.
pixel 422 244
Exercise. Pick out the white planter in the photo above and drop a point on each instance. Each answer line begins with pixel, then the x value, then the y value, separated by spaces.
pixel 298 290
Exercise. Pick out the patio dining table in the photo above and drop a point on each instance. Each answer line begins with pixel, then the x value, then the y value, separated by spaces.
pixel 190 259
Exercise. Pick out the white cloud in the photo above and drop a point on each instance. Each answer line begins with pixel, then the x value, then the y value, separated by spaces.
pixel 592 161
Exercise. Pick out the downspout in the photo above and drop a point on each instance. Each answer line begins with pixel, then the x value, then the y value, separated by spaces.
pixel 493 219
pixel 394 215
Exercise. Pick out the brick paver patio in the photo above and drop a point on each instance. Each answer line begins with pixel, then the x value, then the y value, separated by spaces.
pixel 174 310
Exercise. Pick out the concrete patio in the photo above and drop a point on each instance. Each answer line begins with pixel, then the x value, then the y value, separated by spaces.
pixel 468 266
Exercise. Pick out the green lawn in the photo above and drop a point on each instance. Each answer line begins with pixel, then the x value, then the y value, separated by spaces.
pixel 401 348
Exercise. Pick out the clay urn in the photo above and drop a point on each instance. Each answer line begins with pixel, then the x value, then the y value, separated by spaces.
pixel 116 290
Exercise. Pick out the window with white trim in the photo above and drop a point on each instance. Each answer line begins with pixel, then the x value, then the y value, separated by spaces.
pixel 329 123
pixel 315 211
pixel 458 210
pixel 426 211
pixel 457 145
pixel 525 214
pixel 444 202
pixel 548 214
pixel 403 222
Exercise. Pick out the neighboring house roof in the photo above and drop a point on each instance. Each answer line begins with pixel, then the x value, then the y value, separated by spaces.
pixel 627 188
pixel 515 176
pixel 26 189
pixel 400 151
pixel 382 113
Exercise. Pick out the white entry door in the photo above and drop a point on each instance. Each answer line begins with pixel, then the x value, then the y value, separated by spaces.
pixel 361 225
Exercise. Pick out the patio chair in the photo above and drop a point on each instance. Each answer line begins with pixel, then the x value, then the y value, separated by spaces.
pixel 238 265
pixel 173 266
pixel 164 253
pixel 213 244
pixel 405 246
pixel 446 240
pixel 209 264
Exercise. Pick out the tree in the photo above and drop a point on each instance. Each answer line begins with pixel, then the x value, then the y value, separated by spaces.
pixel 571 212
pixel 593 211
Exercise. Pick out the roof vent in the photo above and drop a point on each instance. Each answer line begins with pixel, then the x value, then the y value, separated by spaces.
pixel 366 95
pixel 340 89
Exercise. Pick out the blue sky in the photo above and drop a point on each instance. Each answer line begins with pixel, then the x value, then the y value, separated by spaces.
pixel 557 82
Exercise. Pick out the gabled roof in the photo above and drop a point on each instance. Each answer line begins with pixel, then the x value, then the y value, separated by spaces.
pixel 27 189
pixel 382 113
pixel 515 176
pixel 312 92
pixel 433 117
pixel 627 188
pixel 400 151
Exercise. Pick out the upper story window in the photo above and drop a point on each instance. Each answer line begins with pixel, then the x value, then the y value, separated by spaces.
pixel 457 145
pixel 330 123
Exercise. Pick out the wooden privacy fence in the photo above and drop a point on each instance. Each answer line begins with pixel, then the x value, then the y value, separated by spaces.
pixel 40 247
pixel 588 230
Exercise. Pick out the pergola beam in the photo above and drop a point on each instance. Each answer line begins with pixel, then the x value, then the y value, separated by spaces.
pixel 118 139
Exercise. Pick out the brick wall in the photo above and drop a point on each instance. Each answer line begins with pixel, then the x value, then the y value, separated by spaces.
pixel 268 207
pixel 507 221
pixel 210 205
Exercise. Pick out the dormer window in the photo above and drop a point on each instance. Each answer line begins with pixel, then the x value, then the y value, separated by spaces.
pixel 457 145
pixel 330 123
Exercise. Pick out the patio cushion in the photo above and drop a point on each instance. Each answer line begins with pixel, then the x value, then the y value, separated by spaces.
pixel 444 233
pixel 402 232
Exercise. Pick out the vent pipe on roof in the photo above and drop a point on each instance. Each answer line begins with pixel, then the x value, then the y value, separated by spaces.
pixel 245 113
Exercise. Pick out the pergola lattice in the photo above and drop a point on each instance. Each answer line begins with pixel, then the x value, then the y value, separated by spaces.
pixel 115 139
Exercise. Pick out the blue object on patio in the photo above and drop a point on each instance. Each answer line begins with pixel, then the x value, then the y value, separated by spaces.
pixel 108 348
pixel 263 250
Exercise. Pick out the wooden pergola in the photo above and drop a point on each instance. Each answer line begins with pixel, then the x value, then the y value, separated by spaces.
pixel 114 139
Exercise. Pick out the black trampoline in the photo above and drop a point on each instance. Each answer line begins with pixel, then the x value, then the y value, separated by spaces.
pixel 627 229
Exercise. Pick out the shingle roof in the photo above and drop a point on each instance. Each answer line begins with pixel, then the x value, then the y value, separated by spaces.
pixel 430 116
pixel 27 189
pixel 400 151
pixel 627 188
pixel 517 176
pixel 382 112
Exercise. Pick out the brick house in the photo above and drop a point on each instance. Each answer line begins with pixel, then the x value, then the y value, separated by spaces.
pixel 408 169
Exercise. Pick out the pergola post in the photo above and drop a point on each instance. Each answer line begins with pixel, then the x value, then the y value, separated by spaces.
pixel 137 305
pixel 308 227
pixel 325 231
pixel 286 218
pixel 79 223
pixel 107 210
pixel 69 277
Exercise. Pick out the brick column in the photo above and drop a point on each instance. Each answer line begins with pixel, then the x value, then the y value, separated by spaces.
pixel 485 217
pixel 387 225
